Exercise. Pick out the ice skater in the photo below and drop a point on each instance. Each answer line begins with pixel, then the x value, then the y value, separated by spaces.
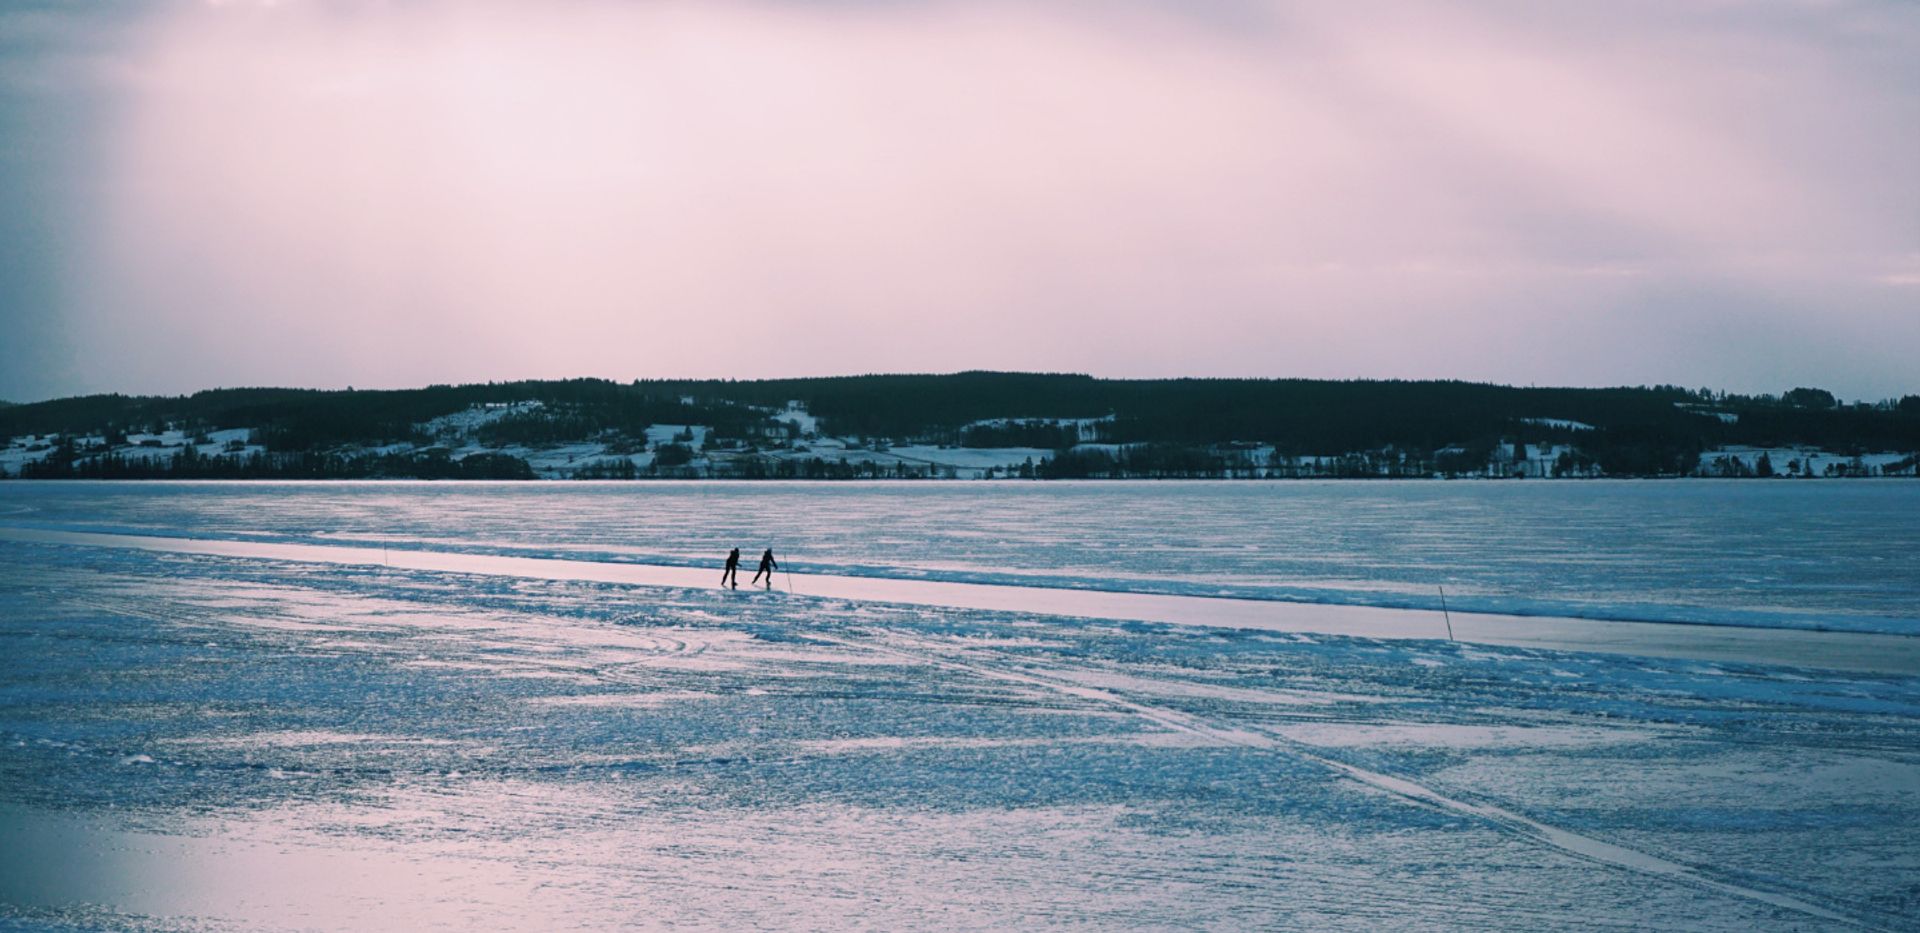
pixel 732 573
pixel 767 566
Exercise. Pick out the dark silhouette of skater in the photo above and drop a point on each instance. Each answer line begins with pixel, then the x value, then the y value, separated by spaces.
pixel 767 566
pixel 732 573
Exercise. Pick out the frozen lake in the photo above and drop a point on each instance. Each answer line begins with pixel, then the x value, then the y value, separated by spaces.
pixel 1804 554
pixel 350 706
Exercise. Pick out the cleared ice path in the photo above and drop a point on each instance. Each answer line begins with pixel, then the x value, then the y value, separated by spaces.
pixel 1849 651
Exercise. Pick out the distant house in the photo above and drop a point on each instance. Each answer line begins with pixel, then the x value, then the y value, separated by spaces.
pixel 1522 460
pixel 772 431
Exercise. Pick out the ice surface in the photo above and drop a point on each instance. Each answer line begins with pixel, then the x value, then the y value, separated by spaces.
pixel 1805 555
pixel 221 741
pixel 1868 652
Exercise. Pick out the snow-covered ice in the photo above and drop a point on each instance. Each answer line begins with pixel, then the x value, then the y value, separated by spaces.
pixel 230 740
pixel 1871 652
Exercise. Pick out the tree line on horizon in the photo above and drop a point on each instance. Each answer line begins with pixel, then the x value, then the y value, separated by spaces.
pixel 1166 427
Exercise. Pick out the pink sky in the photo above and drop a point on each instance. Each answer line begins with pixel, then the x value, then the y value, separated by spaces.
pixel 371 193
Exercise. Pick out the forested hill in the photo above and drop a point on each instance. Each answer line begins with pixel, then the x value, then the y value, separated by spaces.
pixel 1431 426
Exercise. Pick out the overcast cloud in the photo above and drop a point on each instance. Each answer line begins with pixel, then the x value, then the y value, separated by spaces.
pixel 305 193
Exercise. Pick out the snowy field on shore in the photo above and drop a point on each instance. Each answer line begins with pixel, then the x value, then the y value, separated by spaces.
pixel 198 740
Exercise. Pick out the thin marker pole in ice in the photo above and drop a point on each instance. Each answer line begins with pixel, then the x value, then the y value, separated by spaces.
pixel 1445 614
pixel 789 572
